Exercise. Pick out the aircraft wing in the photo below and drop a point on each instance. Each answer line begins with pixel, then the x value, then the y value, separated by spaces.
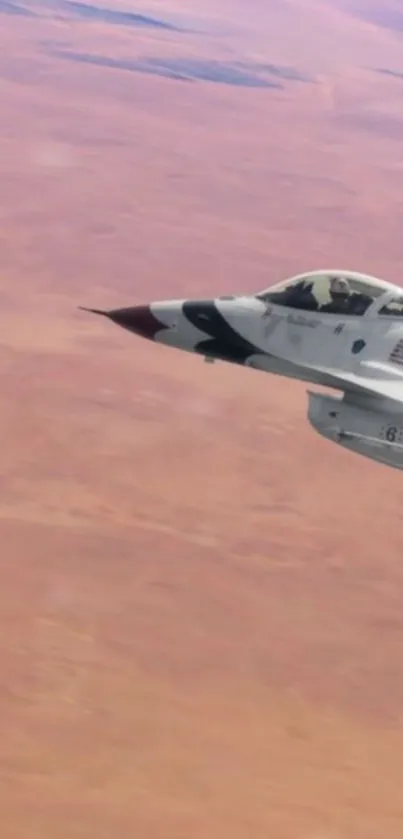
pixel 377 379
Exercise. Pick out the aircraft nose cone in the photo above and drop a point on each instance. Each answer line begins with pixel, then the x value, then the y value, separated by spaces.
pixel 138 319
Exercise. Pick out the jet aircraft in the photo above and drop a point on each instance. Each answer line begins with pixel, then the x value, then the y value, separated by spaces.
pixel 332 328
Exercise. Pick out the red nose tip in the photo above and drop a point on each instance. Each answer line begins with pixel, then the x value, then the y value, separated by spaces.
pixel 138 319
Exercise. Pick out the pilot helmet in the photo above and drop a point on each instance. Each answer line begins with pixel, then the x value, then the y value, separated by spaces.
pixel 339 287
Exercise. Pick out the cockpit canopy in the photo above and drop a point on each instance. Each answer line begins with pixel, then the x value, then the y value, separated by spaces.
pixel 335 292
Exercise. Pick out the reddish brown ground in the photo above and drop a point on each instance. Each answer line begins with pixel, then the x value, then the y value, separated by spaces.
pixel 200 599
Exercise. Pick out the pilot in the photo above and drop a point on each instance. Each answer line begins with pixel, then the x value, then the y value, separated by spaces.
pixel 340 295
pixel 344 300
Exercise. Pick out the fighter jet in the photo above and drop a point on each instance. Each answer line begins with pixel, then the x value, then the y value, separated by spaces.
pixel 333 328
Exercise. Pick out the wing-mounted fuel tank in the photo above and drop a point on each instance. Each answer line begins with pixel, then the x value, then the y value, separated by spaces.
pixel 361 428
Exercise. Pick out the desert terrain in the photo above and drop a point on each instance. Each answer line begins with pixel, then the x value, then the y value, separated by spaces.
pixel 200 599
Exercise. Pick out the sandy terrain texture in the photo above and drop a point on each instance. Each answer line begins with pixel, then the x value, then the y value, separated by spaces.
pixel 201 630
